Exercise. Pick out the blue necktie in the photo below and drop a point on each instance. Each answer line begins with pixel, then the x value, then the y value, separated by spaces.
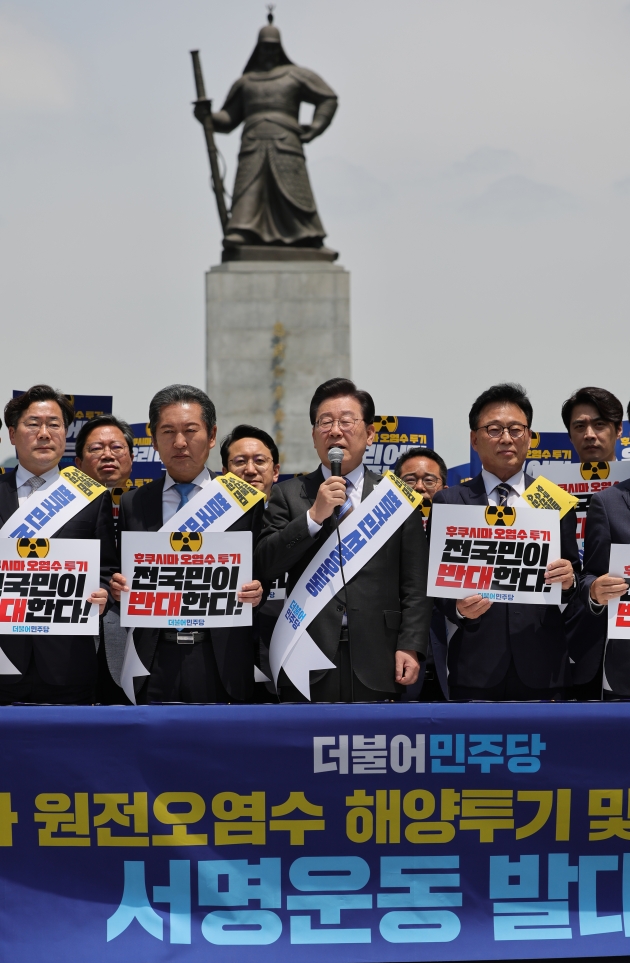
pixel 184 489
pixel 347 505
pixel 503 491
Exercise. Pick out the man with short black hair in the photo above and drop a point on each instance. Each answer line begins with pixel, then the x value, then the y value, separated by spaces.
pixel 217 665
pixel 59 669
pixel 504 651
pixel 376 630
pixel 594 418
pixel 425 471
pixel 252 454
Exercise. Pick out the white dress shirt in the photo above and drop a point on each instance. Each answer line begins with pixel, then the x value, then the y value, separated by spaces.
pixel 171 497
pixel 516 483
pixel 354 489
pixel 24 489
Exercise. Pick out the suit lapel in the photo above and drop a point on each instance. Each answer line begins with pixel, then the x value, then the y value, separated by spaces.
pixel 370 479
pixel 8 496
pixel 310 485
pixel 152 506
pixel 474 491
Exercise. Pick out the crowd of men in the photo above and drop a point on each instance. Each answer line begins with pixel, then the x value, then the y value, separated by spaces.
pixel 383 637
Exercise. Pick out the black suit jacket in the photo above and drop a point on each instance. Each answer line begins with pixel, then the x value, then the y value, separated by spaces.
pixel 534 636
pixel 387 604
pixel 141 511
pixel 62 659
pixel 607 522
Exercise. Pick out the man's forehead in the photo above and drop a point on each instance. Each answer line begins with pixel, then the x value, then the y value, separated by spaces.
pixel 43 409
pixel 339 405
pixel 502 411
pixel 248 445
pixel 189 412
pixel 421 463
pixel 586 412
pixel 105 431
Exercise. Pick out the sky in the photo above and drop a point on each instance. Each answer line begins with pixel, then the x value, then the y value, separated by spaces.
pixel 475 180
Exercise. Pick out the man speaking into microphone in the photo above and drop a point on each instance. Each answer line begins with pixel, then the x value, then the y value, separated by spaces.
pixel 374 631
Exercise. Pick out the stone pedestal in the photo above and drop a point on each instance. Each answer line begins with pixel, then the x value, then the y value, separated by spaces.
pixel 275 330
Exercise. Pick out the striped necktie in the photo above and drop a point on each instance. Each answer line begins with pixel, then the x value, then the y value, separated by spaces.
pixel 346 508
pixel 503 493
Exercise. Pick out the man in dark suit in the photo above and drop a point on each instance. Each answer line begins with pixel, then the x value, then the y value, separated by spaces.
pixel 55 668
pixel 607 523
pixel 377 631
pixel 503 651
pixel 200 666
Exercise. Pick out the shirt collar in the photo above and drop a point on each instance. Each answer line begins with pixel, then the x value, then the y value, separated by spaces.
pixel 516 482
pixel 22 475
pixel 200 481
pixel 354 476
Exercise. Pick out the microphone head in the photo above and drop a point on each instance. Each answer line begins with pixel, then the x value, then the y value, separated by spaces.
pixel 335 455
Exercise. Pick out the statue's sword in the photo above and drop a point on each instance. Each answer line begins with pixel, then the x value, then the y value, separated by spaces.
pixel 217 183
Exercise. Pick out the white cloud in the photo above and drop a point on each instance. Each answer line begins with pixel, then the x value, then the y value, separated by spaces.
pixel 517 198
pixel 35 72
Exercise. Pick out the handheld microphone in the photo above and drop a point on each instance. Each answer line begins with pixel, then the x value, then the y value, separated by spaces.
pixel 335 457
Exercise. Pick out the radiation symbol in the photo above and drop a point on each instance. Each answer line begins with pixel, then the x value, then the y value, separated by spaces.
pixel 387 423
pixel 500 515
pixel 425 506
pixel 594 469
pixel 147 428
pixel 33 547
pixel 186 541
pixel 535 442
pixel 118 492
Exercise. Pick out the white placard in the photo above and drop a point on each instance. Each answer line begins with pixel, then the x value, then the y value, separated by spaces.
pixel 583 481
pixel 45 584
pixel 469 555
pixel 185 580
pixel 619 609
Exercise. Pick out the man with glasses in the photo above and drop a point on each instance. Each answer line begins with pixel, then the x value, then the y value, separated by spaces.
pixel 104 451
pixel 376 630
pixel 425 471
pixel 55 668
pixel 502 651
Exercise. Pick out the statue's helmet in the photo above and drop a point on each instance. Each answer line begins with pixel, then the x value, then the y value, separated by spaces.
pixel 268 34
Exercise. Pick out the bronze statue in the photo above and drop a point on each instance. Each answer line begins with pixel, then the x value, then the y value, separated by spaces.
pixel 273 205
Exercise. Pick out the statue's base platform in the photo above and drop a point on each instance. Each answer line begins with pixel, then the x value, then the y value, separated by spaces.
pixel 275 331
pixel 273 252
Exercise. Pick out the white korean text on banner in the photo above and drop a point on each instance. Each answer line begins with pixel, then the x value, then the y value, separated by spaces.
pixel 395 435
pixel 585 480
pixel 619 609
pixel 500 553
pixel 45 584
pixel 86 407
pixel 147 464
pixel 185 580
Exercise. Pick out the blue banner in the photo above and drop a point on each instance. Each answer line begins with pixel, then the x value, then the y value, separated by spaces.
pixel 147 464
pixel 256 833
pixel 395 435
pixel 547 446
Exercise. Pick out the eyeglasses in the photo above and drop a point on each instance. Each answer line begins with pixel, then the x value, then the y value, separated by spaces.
pixel 259 461
pixel 346 424
pixel 515 431
pixel 116 449
pixel 38 425
pixel 430 482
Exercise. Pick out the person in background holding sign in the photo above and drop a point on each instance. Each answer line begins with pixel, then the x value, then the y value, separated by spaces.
pixel 252 454
pixel 200 666
pixel 376 630
pixel 425 471
pixel 501 651
pixel 607 523
pixel 104 451
pixel 54 668
pixel 593 418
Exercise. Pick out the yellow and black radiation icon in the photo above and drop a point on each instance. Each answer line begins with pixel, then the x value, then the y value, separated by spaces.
pixel 591 470
pixel 425 506
pixel 147 428
pixel 386 423
pixel 118 492
pixel 33 547
pixel 500 515
pixel 186 541
pixel 535 442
